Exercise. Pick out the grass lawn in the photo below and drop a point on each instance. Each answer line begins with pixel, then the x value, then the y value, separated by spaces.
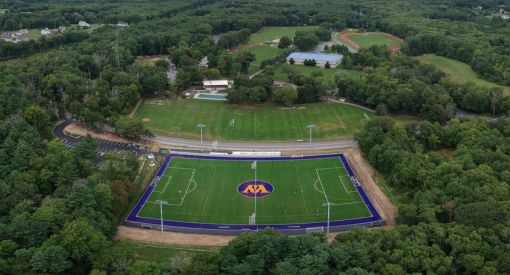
pixel 458 71
pixel 3 11
pixel 34 33
pixel 270 123
pixel 366 40
pixel 264 51
pixel 211 191
pixel 271 33
pixel 328 75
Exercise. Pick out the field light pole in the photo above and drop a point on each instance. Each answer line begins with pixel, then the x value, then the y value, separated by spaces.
pixel 161 202
pixel 328 205
pixel 310 126
pixel 201 126
pixel 255 216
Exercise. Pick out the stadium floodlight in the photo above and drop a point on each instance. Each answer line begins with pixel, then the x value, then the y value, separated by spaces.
pixel 161 202
pixel 310 126
pixel 328 205
pixel 201 126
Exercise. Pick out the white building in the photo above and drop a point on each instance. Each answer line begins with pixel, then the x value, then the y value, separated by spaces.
pixel 216 85
pixel 83 24
pixel 505 17
pixel 45 32
pixel 122 24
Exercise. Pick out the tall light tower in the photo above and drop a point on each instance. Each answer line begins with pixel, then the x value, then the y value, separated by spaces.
pixel 161 202
pixel 328 205
pixel 201 126
pixel 310 126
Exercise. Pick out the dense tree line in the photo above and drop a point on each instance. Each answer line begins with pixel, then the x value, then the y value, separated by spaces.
pixel 57 212
pixel 397 83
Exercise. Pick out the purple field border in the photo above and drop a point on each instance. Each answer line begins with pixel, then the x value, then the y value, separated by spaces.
pixel 133 216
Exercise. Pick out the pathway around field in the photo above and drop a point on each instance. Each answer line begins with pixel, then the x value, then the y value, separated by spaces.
pixel 174 238
pixel 185 239
pixel 365 173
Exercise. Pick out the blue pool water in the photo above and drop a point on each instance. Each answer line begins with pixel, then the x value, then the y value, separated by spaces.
pixel 212 96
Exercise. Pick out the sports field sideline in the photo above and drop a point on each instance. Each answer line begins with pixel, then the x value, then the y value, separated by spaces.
pixel 290 191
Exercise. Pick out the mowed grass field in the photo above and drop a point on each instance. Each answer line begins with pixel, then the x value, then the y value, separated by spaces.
pixel 271 33
pixel 366 40
pixel 261 49
pixel 179 118
pixel 459 71
pixel 205 191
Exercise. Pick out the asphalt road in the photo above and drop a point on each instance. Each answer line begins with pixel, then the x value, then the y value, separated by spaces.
pixel 254 146
pixel 106 145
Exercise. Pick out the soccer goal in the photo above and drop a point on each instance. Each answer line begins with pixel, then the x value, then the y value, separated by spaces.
pixel 296 157
pixel 315 230
pixel 252 219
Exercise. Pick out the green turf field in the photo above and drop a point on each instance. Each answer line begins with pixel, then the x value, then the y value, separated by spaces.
pixel 3 11
pixel 458 71
pixel 179 118
pixel 205 191
pixel 366 40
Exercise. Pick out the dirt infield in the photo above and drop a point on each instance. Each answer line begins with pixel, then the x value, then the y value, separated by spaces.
pixel 345 37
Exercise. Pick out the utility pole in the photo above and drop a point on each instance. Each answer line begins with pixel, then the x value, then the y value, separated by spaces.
pixel 328 205
pixel 201 126
pixel 256 189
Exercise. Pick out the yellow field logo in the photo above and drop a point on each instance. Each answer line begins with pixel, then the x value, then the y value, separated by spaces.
pixel 251 189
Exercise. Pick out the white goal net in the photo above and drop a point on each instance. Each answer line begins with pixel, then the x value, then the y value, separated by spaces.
pixel 315 229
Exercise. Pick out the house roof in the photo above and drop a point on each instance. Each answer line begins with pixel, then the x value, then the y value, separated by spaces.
pixel 215 82
pixel 319 57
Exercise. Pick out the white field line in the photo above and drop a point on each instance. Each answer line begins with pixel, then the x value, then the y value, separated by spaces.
pixel 345 188
pixel 209 191
pixel 164 188
pixel 301 188
pixel 187 188
pixel 337 167
pixel 322 186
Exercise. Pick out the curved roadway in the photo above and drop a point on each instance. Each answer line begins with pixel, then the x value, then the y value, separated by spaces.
pixel 58 131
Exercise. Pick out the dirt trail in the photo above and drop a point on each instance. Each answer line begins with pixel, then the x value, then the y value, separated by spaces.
pixel 365 173
pixel 173 238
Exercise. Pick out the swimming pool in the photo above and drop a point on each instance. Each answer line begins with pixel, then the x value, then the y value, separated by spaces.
pixel 222 97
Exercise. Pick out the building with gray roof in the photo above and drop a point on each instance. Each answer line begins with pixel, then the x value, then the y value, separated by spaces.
pixel 320 58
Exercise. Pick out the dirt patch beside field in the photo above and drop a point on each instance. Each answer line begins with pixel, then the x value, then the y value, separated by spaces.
pixel 173 238
pixel 365 174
